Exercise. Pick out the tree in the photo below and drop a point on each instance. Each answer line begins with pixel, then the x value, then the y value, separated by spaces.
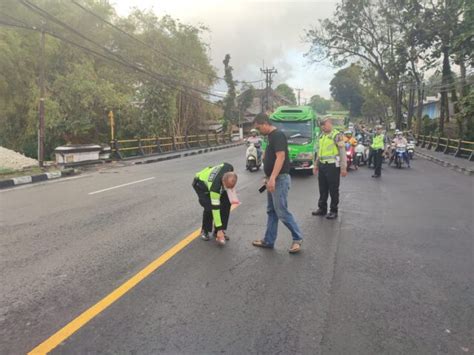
pixel 155 78
pixel 229 101
pixel 320 104
pixel 245 99
pixel 360 30
pixel 346 87
pixel 374 108
pixel 287 92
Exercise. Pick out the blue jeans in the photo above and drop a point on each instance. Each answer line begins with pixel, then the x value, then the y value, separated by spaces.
pixel 277 209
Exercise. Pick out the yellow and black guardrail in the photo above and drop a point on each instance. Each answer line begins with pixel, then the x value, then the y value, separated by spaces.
pixel 122 148
pixel 460 148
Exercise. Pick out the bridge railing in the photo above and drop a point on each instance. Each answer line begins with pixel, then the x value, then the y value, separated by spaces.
pixel 125 148
pixel 457 147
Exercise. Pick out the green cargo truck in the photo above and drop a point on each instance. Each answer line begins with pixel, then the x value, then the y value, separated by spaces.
pixel 300 125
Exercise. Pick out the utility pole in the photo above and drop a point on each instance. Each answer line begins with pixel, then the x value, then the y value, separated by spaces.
pixel 112 125
pixel 268 85
pixel 299 94
pixel 41 104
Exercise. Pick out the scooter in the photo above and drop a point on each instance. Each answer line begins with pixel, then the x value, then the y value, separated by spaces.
pixel 400 155
pixel 350 156
pixel 253 161
pixel 360 154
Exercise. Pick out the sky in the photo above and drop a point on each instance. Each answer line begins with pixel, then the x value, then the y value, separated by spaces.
pixel 255 33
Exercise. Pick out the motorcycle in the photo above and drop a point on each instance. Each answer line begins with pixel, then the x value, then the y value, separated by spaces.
pixel 252 158
pixel 411 149
pixel 400 154
pixel 360 154
pixel 350 156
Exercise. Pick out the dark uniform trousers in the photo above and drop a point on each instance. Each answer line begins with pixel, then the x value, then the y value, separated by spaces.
pixel 205 202
pixel 378 162
pixel 329 178
pixel 372 154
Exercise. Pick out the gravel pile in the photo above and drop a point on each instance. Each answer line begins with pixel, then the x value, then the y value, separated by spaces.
pixel 10 159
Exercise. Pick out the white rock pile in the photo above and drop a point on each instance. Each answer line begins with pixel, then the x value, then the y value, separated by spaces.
pixel 10 159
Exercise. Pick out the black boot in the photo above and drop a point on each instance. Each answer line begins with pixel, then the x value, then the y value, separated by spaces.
pixel 332 215
pixel 319 212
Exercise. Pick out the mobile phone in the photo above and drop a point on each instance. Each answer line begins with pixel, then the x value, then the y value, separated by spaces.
pixel 263 188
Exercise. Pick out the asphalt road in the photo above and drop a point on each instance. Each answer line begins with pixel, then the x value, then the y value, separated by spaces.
pixel 394 274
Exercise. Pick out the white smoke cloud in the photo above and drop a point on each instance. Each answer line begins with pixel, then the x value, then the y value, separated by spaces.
pixel 253 33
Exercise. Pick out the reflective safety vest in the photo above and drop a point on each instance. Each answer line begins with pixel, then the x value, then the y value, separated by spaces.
pixel 212 179
pixel 378 142
pixel 328 150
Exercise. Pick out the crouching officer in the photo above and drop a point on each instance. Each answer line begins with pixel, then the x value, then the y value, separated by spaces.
pixel 331 164
pixel 214 185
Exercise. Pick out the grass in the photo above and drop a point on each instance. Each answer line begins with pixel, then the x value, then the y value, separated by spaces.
pixel 6 173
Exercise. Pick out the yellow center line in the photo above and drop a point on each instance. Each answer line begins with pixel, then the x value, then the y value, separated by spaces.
pixel 61 335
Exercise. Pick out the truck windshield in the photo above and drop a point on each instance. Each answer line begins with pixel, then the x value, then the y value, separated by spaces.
pixel 295 129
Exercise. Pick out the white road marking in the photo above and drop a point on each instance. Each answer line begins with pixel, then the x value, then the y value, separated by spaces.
pixel 116 187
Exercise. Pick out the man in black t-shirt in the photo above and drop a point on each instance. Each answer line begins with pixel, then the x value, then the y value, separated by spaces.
pixel 278 181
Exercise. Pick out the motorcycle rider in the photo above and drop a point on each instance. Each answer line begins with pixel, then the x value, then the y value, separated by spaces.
pixel 399 140
pixel 348 138
pixel 256 140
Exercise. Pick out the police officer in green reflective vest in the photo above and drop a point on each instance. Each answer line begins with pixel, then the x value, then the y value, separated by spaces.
pixel 378 145
pixel 330 165
pixel 214 185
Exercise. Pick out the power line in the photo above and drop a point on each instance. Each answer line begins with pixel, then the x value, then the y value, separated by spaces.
pixel 299 94
pixel 166 55
pixel 100 55
pixel 144 43
pixel 268 82
pixel 45 14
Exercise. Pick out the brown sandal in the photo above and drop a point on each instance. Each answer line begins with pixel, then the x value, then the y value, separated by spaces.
pixel 295 248
pixel 261 244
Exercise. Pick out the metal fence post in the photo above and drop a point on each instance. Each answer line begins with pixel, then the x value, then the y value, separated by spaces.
pixel 446 150
pixel 418 140
pixel 424 142
pixel 140 147
pixel 186 141
pixel 438 141
pixel 458 151
pixel 117 149
pixel 158 144
pixel 173 139
pixel 431 141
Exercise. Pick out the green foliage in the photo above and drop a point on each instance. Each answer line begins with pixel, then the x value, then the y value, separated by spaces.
pixel 320 104
pixel 430 126
pixel 245 99
pixel 346 88
pixel 230 111
pixel 81 88
pixel 287 92
pixel 465 117
pixel 400 41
